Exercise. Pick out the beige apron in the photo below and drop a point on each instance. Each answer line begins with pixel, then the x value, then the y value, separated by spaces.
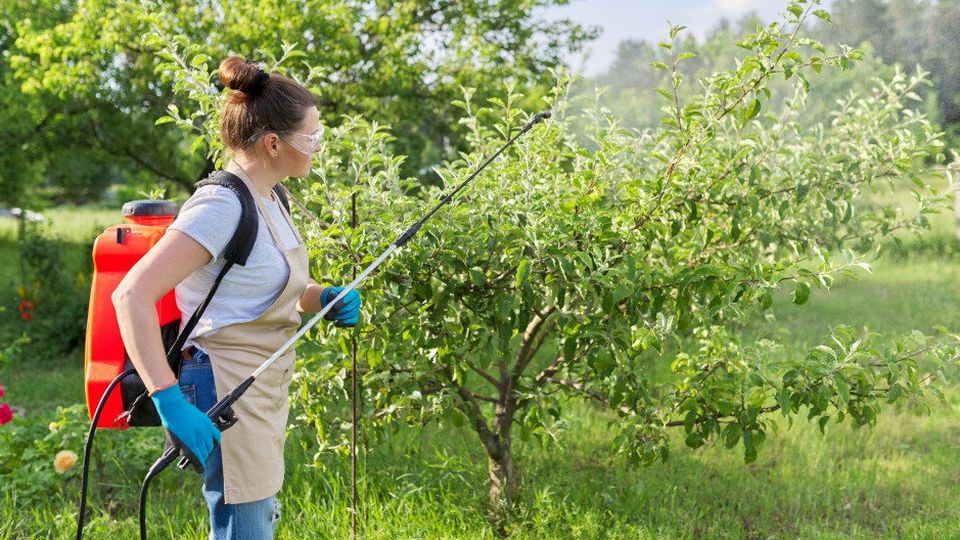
pixel 253 448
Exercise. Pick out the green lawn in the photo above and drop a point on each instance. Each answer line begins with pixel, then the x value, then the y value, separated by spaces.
pixel 898 480
pixel 78 226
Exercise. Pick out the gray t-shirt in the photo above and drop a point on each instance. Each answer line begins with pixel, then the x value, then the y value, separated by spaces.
pixel 210 216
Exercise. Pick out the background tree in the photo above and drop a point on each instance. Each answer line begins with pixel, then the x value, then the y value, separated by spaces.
pixel 81 85
pixel 907 32
pixel 631 88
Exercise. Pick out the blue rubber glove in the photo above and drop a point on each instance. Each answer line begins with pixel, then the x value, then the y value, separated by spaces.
pixel 188 424
pixel 347 310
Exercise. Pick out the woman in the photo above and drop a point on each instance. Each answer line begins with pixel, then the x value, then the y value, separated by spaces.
pixel 272 127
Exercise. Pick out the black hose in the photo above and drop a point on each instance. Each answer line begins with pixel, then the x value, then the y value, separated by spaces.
pixel 88 447
pixel 166 459
pixel 143 506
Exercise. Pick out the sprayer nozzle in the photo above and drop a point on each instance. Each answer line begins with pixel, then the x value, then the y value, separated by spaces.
pixel 540 116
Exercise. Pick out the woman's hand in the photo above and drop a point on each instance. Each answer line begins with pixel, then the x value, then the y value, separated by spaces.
pixel 188 424
pixel 346 311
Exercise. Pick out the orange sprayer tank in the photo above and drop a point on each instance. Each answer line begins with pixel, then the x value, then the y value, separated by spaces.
pixel 115 252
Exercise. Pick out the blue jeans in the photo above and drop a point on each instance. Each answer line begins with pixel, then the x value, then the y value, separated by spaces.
pixel 245 521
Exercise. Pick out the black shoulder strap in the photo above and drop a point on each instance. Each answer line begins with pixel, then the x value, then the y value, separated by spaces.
pixel 282 196
pixel 241 244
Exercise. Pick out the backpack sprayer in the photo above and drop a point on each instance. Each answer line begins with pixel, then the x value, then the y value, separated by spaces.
pixel 221 414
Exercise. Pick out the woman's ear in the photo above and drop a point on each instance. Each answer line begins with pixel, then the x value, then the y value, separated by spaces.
pixel 271 143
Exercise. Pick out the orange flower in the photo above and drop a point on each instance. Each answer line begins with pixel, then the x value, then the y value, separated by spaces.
pixel 26 309
pixel 64 460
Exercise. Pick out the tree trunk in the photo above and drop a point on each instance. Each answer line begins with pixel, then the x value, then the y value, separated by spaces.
pixel 504 476
pixel 504 486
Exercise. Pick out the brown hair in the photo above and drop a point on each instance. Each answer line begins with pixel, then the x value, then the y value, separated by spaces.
pixel 259 102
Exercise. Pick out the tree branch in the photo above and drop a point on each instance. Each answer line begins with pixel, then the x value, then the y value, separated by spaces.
pixel 582 388
pixel 472 409
pixel 482 397
pixel 532 340
pixel 486 375
pixel 550 370
pixel 111 149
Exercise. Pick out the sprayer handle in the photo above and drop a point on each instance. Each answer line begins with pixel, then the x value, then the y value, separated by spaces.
pixel 223 418
pixel 188 457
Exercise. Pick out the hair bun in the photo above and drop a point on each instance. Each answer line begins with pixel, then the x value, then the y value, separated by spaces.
pixel 243 76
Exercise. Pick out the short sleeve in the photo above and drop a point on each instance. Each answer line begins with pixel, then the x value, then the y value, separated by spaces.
pixel 210 216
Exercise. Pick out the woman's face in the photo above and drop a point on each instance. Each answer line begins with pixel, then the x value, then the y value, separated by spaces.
pixel 303 143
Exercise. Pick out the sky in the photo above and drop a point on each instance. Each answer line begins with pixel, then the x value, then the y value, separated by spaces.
pixel 620 20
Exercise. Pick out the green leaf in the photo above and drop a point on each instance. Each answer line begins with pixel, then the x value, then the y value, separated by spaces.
pixel 200 60
pixel 694 440
pixel 843 388
pixel 796 9
pixel 823 14
pixel 749 449
pixel 822 423
pixel 570 348
pixel 894 392
pixel 766 300
pixel 801 293
pixel 620 293
pixel 523 272
pixel 793 55
pixel 752 110
pixel 567 267
pixel 785 402
pixel 731 434
pixel 477 277
pixel 197 143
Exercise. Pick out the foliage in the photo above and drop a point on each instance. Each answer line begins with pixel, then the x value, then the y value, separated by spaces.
pixel 873 483
pixel 909 33
pixel 31 442
pixel 57 291
pixel 889 32
pixel 82 82
pixel 630 87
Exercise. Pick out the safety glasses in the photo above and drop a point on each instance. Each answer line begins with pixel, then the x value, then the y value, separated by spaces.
pixel 310 144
